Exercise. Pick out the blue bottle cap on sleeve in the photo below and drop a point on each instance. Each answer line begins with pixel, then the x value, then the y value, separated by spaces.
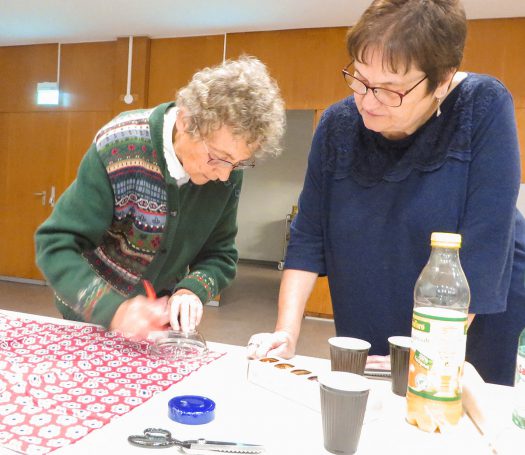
pixel 191 409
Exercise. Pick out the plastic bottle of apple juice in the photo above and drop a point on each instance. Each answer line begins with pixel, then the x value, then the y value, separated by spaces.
pixel 439 336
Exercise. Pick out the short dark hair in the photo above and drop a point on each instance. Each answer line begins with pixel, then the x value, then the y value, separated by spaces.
pixel 427 34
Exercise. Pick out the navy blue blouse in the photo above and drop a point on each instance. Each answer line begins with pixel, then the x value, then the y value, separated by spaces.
pixel 369 206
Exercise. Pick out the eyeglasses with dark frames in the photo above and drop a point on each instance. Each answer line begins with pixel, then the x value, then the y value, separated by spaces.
pixel 385 96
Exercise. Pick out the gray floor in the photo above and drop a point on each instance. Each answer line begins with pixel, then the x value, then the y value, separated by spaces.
pixel 248 306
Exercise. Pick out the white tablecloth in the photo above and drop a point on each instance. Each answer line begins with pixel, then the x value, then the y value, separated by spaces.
pixel 247 412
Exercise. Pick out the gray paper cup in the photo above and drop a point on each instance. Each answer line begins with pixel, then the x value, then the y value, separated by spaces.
pixel 399 359
pixel 343 405
pixel 348 354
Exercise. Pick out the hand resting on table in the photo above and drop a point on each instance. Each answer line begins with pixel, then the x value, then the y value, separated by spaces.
pixel 281 344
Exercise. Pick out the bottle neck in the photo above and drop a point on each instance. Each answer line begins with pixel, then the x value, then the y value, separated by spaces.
pixel 442 283
pixel 442 254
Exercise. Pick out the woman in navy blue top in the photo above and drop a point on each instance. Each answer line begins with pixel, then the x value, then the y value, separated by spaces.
pixel 418 148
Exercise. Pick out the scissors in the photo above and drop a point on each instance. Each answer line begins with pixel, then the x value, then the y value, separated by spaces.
pixel 159 438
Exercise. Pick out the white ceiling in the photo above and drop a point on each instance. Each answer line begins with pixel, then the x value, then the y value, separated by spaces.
pixel 66 21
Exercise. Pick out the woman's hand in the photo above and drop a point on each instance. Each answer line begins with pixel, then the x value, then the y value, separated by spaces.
pixel 139 316
pixel 185 310
pixel 278 344
pixel 296 286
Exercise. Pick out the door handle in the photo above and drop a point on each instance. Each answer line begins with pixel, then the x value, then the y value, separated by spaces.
pixel 42 194
pixel 52 197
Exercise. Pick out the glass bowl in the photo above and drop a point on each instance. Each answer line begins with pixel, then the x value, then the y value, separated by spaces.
pixel 175 345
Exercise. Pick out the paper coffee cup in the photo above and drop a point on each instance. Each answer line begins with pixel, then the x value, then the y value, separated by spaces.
pixel 343 405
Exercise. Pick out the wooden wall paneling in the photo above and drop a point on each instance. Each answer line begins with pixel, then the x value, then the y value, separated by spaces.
pixel 3 165
pixel 306 63
pixel 21 68
pixel 81 128
pixel 317 117
pixel 35 154
pixel 496 47
pixel 514 57
pixel 320 303
pixel 174 61
pixel 86 76
pixel 139 73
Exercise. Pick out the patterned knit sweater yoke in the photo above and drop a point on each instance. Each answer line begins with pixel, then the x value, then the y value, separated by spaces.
pixel 131 159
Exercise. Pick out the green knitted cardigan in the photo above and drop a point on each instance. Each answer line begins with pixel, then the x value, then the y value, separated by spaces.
pixel 124 219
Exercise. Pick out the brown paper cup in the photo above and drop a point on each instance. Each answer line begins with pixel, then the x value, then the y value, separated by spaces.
pixel 399 359
pixel 343 405
pixel 348 354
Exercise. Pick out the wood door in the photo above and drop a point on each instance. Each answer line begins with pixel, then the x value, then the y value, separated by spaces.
pixel 43 150
pixel 33 153
pixel 81 130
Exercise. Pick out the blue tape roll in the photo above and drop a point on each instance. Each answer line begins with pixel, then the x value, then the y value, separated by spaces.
pixel 191 409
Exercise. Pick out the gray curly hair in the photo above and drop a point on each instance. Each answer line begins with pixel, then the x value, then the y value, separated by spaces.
pixel 239 94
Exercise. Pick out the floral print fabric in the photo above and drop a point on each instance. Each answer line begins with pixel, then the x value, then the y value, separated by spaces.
pixel 60 382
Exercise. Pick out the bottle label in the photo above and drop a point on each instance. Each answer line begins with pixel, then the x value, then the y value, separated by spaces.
pixel 439 338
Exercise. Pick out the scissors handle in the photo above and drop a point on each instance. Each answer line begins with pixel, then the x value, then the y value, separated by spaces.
pixel 154 438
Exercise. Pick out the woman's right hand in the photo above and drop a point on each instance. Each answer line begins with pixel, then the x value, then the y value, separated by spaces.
pixel 137 317
pixel 276 344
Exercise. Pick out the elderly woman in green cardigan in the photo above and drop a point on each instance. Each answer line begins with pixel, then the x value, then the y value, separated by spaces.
pixel 156 199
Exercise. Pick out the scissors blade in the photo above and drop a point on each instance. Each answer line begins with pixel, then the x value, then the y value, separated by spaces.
pixel 222 447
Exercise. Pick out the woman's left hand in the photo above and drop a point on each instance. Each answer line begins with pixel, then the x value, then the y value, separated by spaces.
pixel 185 310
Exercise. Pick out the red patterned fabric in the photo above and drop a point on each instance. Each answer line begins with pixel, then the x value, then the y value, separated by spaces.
pixel 58 383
